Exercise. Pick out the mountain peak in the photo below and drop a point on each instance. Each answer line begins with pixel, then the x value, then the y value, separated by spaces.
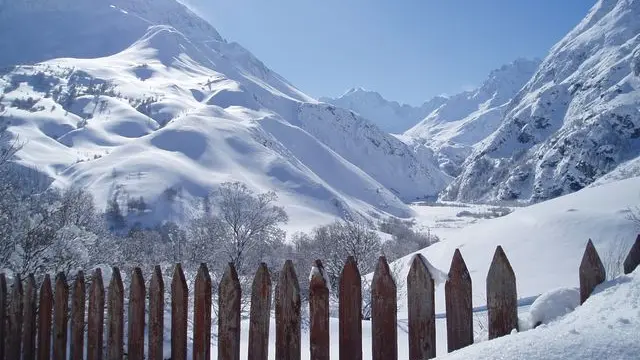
pixel 88 28
pixel 390 116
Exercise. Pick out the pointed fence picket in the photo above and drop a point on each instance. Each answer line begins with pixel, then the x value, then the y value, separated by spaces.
pixel 259 314
pixel 422 310
pixel 29 332
pixel 350 312
pixel 318 313
pixel 77 318
pixel 29 319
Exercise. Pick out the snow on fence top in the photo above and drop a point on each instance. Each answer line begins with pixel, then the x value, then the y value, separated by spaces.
pixel 21 319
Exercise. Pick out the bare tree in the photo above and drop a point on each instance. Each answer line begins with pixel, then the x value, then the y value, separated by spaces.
pixel 8 146
pixel 240 227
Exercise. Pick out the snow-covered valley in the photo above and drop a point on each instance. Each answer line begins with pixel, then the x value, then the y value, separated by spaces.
pixel 146 107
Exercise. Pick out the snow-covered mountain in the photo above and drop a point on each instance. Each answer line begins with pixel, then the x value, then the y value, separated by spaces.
pixel 147 99
pixel 465 119
pixel 575 120
pixel 389 116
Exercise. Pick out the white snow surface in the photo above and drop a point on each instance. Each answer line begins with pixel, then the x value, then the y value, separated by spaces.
pixel 148 100
pixel 576 119
pixel 604 327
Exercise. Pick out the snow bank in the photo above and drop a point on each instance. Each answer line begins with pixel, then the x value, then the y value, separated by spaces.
pixel 606 326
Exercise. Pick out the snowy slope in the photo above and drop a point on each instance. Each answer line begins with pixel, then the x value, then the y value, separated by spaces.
pixel 544 242
pixel 389 116
pixel 178 110
pixel 574 121
pixel 465 119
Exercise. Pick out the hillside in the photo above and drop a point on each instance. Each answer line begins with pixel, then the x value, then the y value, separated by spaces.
pixel 574 121
pixel 150 101
pixel 454 129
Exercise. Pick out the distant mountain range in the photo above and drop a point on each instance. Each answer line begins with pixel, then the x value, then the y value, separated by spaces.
pixel 537 129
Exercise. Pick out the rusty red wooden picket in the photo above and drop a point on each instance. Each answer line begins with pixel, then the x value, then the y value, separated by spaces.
pixel 29 332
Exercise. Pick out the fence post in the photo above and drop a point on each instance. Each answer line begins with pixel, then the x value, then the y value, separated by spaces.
pixel 115 317
pixel 459 307
pixel 15 321
pixel 156 314
pixel 95 317
pixel 179 308
pixel 202 315
pixel 422 311
pixel 288 326
pixel 350 311
pixel 632 260
pixel 60 318
pixel 384 313
pixel 29 319
pixel 45 312
pixel 3 314
pixel 137 296
pixel 260 314
pixel 592 272
pixel 502 296
pixel 319 313
pixel 229 297
pixel 77 317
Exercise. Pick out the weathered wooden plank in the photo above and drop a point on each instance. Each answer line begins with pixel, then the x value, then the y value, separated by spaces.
pixel 288 317
pixel 202 315
pixel 115 317
pixel 259 314
pixel 319 313
pixel 459 307
pixel 229 315
pixel 502 296
pixel 77 317
pixel 156 315
pixel 95 317
pixel 137 295
pixel 632 260
pixel 179 309
pixel 592 272
pixel 29 319
pixel 384 313
pixel 60 318
pixel 350 312
pixel 422 314
pixel 3 314
pixel 14 344
pixel 45 315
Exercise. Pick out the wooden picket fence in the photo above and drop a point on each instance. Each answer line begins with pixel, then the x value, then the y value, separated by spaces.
pixel 35 323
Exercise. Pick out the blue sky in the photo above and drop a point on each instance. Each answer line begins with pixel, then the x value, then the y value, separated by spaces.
pixel 408 50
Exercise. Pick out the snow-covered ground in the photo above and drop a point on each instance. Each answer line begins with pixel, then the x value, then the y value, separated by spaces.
pixel 545 244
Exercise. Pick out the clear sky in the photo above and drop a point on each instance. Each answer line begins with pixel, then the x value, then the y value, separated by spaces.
pixel 407 50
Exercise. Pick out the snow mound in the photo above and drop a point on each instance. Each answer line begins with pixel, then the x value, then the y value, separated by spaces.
pixel 553 305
